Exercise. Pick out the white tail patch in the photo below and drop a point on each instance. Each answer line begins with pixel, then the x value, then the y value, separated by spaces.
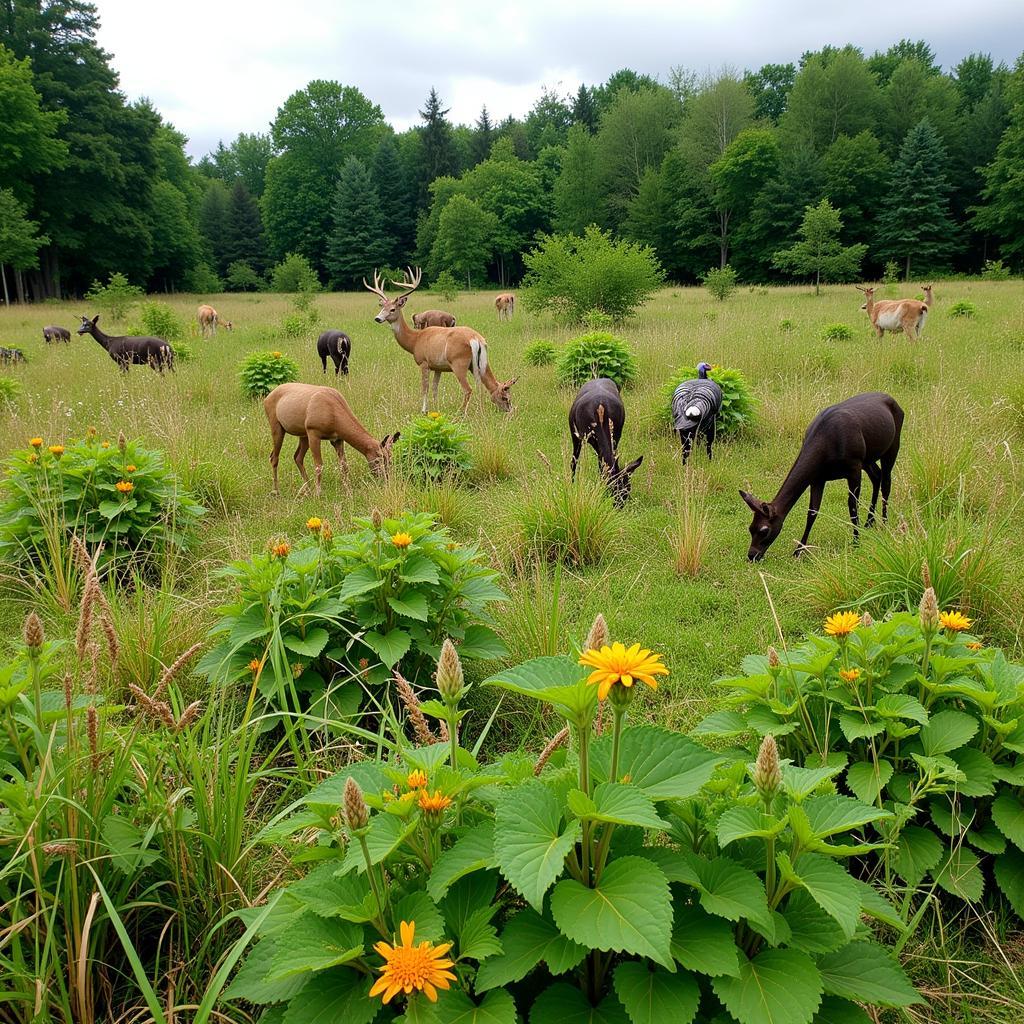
pixel 478 357
pixel 693 412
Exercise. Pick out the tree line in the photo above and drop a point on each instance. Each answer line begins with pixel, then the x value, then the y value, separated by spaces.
pixel 915 164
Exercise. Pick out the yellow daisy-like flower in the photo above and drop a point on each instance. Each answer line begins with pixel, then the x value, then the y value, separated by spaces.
pixel 955 622
pixel 401 540
pixel 434 415
pixel 130 468
pixel 125 486
pixel 433 802
pixel 313 524
pixel 56 450
pixel 281 550
pixel 842 623
pixel 104 444
pixel 619 664
pixel 416 779
pixel 408 967
pixel 849 675
pixel 254 665
pixel 276 355
pixel 36 442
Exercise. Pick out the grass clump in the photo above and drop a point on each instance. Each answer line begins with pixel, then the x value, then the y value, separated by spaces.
pixel 596 355
pixel 737 399
pixel 539 353
pixel 836 332
pixel 261 372
pixel 963 309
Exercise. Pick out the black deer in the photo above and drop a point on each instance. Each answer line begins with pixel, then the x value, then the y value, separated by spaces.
pixel 862 433
pixel 597 416
pixel 52 333
pixel 10 356
pixel 153 352
pixel 695 408
pixel 337 345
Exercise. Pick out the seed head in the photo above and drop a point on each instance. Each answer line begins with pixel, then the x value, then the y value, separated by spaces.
pixel 926 575
pixel 450 679
pixel 33 632
pixel 773 658
pixel 553 744
pixel 354 809
pixel 122 441
pixel 376 518
pixel 767 773
pixel 866 620
pixel 929 610
pixel 598 635
pixel 412 706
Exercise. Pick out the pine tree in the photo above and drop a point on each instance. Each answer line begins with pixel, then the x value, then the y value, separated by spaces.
pixel 915 220
pixel 358 242
pixel 213 222
pixel 584 109
pixel 438 152
pixel 243 230
pixel 577 191
pixel 483 137
pixel 396 201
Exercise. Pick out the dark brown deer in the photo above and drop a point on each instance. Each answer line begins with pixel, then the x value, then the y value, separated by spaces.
pixel 52 333
pixel 597 416
pixel 337 345
pixel 860 434
pixel 155 353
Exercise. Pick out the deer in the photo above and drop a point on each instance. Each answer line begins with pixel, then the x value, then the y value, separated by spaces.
pixel 928 299
pixel 314 413
pixel 906 315
pixel 505 304
pixel 438 350
pixel 209 321
pixel 861 434
pixel 597 416
pixel 11 356
pixel 432 318
pixel 52 333
pixel 337 345
pixel 155 353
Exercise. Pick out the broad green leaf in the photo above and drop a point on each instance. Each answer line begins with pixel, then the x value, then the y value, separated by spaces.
pixel 616 803
pixel 810 928
pixel 312 943
pixel 867 973
pixel 1009 872
pixel 530 842
pixel 455 1007
pixel 704 943
pixel 418 568
pixel 840 1011
pixel 746 822
pixel 979 772
pixel 867 780
pixel 654 997
pixel 328 895
pixel 918 851
pixel 472 852
pixel 386 833
pixel 721 723
pixel 482 642
pixel 802 782
pixel 946 731
pixel 477 937
pixel 960 875
pixel 875 905
pixel 987 837
pixel 421 909
pixel 127 844
pixel 412 605
pixel 555 680
pixel 566 1004
pixel 730 890
pixel 526 940
pixel 1008 814
pixel 629 910
pixel 830 815
pixel 310 645
pixel 360 581
pixel 251 982
pixel 902 705
pixel 779 986
pixel 391 648
pixel 332 996
pixel 854 727
pixel 832 887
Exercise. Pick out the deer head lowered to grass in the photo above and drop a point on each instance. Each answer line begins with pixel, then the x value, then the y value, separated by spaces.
pixel 438 350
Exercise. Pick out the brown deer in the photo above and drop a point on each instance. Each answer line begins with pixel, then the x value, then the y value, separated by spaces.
pixel 906 315
pixel 505 304
pixel 432 318
pixel 928 299
pixel 438 350
pixel 314 413
pixel 209 321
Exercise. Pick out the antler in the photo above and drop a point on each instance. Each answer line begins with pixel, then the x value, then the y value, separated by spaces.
pixel 377 288
pixel 411 281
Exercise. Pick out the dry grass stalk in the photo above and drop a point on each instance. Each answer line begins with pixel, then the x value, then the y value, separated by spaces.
pixel 407 696
pixel 552 745
pixel 171 673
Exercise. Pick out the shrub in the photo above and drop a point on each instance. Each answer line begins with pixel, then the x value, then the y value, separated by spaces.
pixel 261 372
pixel 995 270
pixel 124 497
pixel 158 320
pixel 203 279
pixel 432 447
pixel 891 274
pixel 720 281
pixel 737 400
pixel 444 284
pixel 9 389
pixel 597 320
pixel 116 298
pixel 786 325
pixel 836 332
pixel 242 278
pixel 298 325
pixel 596 355
pixel 539 353
pixel 294 274
pixel 964 308
pixel 183 352
pixel 569 275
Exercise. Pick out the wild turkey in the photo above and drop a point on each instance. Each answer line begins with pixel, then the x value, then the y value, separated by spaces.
pixel 695 408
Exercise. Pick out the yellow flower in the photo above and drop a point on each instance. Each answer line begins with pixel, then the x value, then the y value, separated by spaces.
pixel 125 486
pixel 433 802
pixel 36 442
pixel 434 415
pixel 254 665
pixel 32 457
pixel 842 623
pixel 974 645
pixel 849 675
pixel 416 779
pixel 408 967
pixel 276 355
pixel 955 622
pixel 281 550
pixel 56 450
pixel 401 540
pixel 104 444
pixel 314 524
pixel 616 664
pixel 130 468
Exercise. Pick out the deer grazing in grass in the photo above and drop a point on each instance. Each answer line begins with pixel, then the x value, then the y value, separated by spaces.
pixel 432 318
pixel 860 434
pixel 52 333
pixel 314 413
pixel 906 315
pixel 437 350
pixel 337 345
pixel 597 416
pixel 209 321
pixel 505 304
pixel 155 353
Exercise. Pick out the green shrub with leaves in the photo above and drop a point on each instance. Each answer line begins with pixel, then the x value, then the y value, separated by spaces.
pixel 597 320
pixel 995 270
pixel 891 272
pixel 242 278
pixel 596 355
pixel 836 332
pixel 294 274
pixel 737 399
pixel 158 320
pixel 261 372
pixel 184 352
pixel 786 325
pixel 444 284
pixel 9 389
pixel 540 353
pixel 433 447
pixel 637 877
pixel 964 309
pixel 720 281
pixel 115 298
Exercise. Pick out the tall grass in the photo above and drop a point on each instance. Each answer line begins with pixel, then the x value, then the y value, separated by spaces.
pixel 689 536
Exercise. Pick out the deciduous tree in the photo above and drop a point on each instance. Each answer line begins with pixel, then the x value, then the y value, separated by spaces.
pixel 819 253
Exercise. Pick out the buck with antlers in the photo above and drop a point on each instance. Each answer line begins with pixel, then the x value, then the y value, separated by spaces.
pixel 437 350
pixel 906 315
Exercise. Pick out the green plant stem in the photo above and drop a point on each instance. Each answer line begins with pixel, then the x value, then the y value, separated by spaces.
pixel 371 874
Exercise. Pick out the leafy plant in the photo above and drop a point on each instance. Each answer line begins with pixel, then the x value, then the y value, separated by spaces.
pixel 184 352
pixel 720 281
pixel 203 279
pixel 158 320
pixel 115 298
pixel 964 308
pixel 294 274
pixel 433 447
pixel 995 270
pixel 597 320
pixel 737 399
pixel 540 353
pixel 444 284
pixel 242 278
pixel 786 325
pixel 9 389
pixel 836 332
pixel 596 355
pixel 891 273
pixel 261 372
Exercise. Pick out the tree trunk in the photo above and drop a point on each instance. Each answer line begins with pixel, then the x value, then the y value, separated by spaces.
pixel 19 285
pixel 723 220
pixel 907 278
pixel 817 282
pixel 3 277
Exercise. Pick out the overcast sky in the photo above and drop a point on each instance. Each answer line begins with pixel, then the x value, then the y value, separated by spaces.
pixel 216 68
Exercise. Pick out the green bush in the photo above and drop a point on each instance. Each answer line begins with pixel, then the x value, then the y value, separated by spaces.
pixel 294 274
pixel 261 372
pixel 737 400
pixel 720 281
pixel 116 298
pixel 964 309
pixel 9 389
pixel 540 353
pixel 158 320
pixel 995 270
pixel 570 276
pixel 242 278
pixel 597 320
pixel 444 284
pixel 203 280
pixel 183 352
pixel 836 332
pixel 433 447
pixel 125 498
pixel 891 274
pixel 786 325
pixel 596 355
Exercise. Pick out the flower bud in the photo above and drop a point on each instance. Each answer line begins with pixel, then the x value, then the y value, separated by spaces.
pixel 866 620
pixel 376 518
pixel 767 774
pixel 354 809
pixel 598 635
pixel 33 632
pixel 926 575
pixel 450 679
pixel 122 441
pixel 929 610
pixel 773 658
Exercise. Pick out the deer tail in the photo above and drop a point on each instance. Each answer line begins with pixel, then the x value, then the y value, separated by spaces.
pixel 478 357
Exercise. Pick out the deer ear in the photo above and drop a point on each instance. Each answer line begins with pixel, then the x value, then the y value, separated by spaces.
pixel 757 506
pixel 633 466
pixel 401 300
pixel 95 319
pixel 510 383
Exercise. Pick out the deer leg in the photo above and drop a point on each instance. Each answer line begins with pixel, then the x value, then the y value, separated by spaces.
pixel 339 448
pixel 277 433
pixel 817 490
pixel 875 476
pixel 853 500
pixel 467 391
pixel 300 461
pixel 434 387
pixel 577 445
pixel 323 359
pixel 318 462
pixel 887 462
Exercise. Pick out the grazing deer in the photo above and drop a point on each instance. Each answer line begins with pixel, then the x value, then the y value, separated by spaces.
pixel 314 413
pixel 860 434
pixel 209 321
pixel 10 356
pixel 597 416
pixel 337 345
pixel 52 333
pixel 906 315
pixel 438 350
pixel 432 318
pixel 505 304
pixel 155 353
